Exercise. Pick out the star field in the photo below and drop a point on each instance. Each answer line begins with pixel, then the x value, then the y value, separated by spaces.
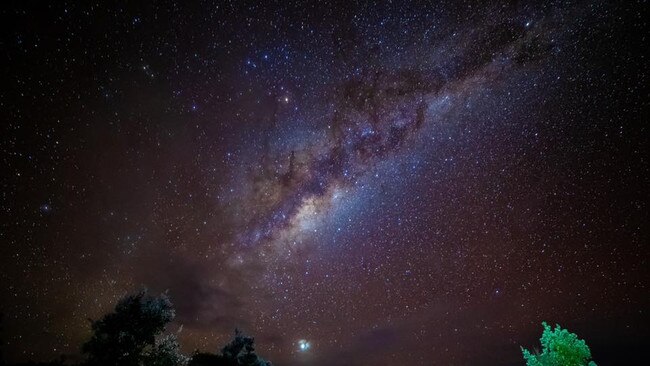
pixel 378 183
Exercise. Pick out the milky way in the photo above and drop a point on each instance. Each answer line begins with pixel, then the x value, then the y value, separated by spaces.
pixel 375 114
pixel 392 183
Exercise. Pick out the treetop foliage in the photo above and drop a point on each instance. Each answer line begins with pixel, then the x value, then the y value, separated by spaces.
pixel 559 348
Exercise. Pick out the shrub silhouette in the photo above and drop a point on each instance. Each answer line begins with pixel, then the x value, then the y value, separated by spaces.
pixel 239 352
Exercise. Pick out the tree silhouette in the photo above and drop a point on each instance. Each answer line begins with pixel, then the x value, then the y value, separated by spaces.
pixel 559 348
pixel 133 335
pixel 165 353
pixel 128 335
pixel 206 359
pixel 238 352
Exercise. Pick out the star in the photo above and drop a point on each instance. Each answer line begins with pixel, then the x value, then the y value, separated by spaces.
pixel 303 345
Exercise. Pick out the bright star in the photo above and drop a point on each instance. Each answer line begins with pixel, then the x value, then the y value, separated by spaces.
pixel 303 345
pixel 45 208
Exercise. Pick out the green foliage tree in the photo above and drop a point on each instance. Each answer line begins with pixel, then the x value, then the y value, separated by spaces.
pixel 559 348
pixel 130 335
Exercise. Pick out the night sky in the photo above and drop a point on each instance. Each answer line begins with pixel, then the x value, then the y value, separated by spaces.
pixel 393 183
